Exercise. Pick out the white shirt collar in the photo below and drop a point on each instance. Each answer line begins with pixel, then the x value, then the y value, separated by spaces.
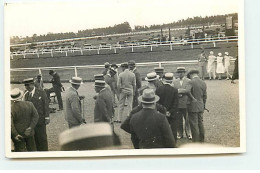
pixel 33 91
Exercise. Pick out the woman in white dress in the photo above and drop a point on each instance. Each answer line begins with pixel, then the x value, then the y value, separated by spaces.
pixel 220 66
pixel 227 64
pixel 212 65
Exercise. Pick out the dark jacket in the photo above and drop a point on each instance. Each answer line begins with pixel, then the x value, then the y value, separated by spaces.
pixel 56 82
pixel 41 104
pixel 168 98
pixel 138 79
pixel 185 89
pixel 150 129
pixel 104 110
pixel 199 92
pixel 23 115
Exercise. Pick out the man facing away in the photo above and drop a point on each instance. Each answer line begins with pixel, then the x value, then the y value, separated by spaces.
pixel 73 105
pixel 196 109
pixel 24 118
pixel 110 80
pixel 149 128
pixel 126 84
pixel 39 99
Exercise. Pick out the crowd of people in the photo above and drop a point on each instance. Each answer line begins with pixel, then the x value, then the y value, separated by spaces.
pixel 152 114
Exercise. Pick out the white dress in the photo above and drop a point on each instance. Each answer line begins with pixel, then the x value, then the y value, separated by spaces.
pixel 220 66
pixel 211 63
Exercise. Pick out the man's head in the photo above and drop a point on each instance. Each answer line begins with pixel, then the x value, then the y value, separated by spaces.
pixel 107 65
pixel 168 77
pixel 131 64
pixel 51 72
pixel 148 99
pixel 99 85
pixel 124 66
pixel 29 84
pixel 75 82
pixel 159 71
pixel 181 72
pixel 151 77
pixel 192 74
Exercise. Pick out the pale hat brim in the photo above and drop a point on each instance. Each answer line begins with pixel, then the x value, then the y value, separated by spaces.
pixel 156 99
pixel 20 96
pixel 147 79
pixel 75 83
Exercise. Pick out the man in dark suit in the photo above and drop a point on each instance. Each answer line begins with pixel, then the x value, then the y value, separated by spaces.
pixel 56 88
pixel 24 118
pixel 110 80
pixel 169 98
pixel 149 128
pixel 196 108
pixel 132 68
pixel 39 99
pixel 103 111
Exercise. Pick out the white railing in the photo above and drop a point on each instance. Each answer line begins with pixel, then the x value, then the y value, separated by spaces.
pixel 131 46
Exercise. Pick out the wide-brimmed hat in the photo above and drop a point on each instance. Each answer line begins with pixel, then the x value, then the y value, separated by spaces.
pixel 76 80
pixel 168 77
pixel 16 94
pixel 100 83
pixel 124 64
pixel 193 72
pixel 131 63
pixel 226 53
pixel 180 69
pixel 219 54
pixel 159 69
pixel 87 137
pixel 99 77
pixel 151 76
pixel 28 81
pixel 148 96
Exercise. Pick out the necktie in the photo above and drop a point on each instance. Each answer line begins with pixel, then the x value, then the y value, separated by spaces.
pixel 30 96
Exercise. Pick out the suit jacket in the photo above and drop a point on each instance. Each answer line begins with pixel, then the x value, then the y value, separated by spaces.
pixel 199 92
pixel 103 111
pixel 110 81
pixel 138 79
pixel 183 90
pixel 23 115
pixel 41 104
pixel 168 98
pixel 73 107
pixel 150 129
pixel 56 82
pixel 38 84
pixel 126 82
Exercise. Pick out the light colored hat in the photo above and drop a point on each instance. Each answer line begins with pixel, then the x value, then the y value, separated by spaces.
pixel 76 80
pixel 168 77
pixel 151 76
pixel 180 69
pixel 16 94
pixel 148 97
pixel 28 81
pixel 226 53
pixel 219 54
pixel 87 137
pixel 211 52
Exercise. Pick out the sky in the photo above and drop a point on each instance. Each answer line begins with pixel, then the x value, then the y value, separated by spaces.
pixel 26 19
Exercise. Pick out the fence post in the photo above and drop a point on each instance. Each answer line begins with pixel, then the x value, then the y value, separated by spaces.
pixel 192 45
pixel 40 72
pixel 81 51
pixel 114 50
pixel 24 55
pixel 76 72
pixel 170 46
pixel 151 48
pixel 214 43
pixel 66 53
pixel 12 57
pixel 38 55
pixel 51 53
pixel 98 51
pixel 160 64
pixel 132 48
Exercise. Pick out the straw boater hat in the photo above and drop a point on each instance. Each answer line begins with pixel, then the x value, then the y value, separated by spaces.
pixel 151 76
pixel 211 52
pixel 100 83
pixel 226 53
pixel 159 69
pixel 28 81
pixel 148 96
pixel 180 70
pixel 76 80
pixel 168 77
pixel 219 54
pixel 16 94
pixel 87 137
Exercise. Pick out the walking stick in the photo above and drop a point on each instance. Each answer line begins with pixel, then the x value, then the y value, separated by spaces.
pixel 82 98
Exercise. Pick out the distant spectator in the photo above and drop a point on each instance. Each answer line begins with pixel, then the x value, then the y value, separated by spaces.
pixel 227 64
pixel 202 60
pixel 38 82
pixel 212 65
pixel 220 67
pixel 107 67
pixel 235 72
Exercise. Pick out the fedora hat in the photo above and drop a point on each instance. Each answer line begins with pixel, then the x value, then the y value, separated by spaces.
pixel 168 77
pixel 28 81
pixel 16 94
pixel 148 96
pixel 151 76
pixel 180 69
pixel 76 80
pixel 192 72
pixel 100 83
pixel 99 77
pixel 159 69
pixel 87 137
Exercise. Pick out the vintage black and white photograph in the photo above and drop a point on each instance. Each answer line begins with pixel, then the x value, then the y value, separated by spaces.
pixel 123 78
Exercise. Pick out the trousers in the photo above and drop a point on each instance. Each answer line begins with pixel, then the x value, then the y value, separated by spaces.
pixel 27 144
pixel 40 137
pixel 123 97
pixel 58 95
pixel 182 113
pixel 173 123
pixel 197 127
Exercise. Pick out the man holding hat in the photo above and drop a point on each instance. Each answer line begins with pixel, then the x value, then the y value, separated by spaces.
pixel 149 128
pixel 24 118
pixel 104 111
pixel 39 99
pixel 169 99
pixel 127 85
pixel 196 109
pixel 138 79
pixel 73 105
pixel 182 84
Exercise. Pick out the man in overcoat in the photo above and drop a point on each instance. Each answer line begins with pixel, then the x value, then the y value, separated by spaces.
pixel 39 99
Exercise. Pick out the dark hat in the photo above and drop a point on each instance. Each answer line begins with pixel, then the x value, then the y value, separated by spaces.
pixel 39 75
pixel 99 77
pixel 100 83
pixel 151 76
pixel 16 94
pixel 168 77
pixel 148 96
pixel 28 81
pixel 51 72
pixel 107 64
pixel 159 69
pixel 87 137
pixel 76 80
pixel 193 72
pixel 124 64
pixel 180 69
pixel 131 63
pixel 112 71
pixel 114 65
